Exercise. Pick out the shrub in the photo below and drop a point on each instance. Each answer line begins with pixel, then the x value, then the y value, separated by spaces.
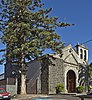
pixel 59 88
pixel 80 89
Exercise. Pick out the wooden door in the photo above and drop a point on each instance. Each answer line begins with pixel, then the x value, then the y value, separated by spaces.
pixel 71 81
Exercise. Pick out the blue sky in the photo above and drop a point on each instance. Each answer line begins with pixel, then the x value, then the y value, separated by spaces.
pixel 78 12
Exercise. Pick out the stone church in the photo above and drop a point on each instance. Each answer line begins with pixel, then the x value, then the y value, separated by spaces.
pixel 70 69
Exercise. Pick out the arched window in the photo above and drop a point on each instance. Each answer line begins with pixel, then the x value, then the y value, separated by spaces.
pixel 81 53
pixel 85 55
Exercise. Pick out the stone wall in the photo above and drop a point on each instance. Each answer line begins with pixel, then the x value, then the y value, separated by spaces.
pixel 31 87
pixel 33 72
pixel 8 70
pixel 3 83
pixel 56 74
pixel 44 76
pixel 12 89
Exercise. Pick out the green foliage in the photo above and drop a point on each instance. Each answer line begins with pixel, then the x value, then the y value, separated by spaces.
pixel 31 30
pixel 80 88
pixel 89 87
pixel 59 87
pixel 26 25
pixel 28 29
pixel 90 70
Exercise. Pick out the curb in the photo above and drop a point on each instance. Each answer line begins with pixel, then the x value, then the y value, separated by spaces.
pixel 25 97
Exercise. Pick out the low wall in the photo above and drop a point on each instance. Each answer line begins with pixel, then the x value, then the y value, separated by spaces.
pixel 12 89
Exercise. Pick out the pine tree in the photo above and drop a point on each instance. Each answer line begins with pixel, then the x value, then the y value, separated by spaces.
pixel 27 30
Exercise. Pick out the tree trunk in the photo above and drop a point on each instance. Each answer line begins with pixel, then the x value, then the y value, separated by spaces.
pixel 23 75
pixel 23 84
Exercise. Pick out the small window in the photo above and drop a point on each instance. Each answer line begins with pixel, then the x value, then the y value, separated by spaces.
pixel 85 55
pixel 81 53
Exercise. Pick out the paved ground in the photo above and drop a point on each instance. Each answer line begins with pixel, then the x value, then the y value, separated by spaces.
pixel 59 97
pixel 48 97
pixel 64 97
pixel 28 97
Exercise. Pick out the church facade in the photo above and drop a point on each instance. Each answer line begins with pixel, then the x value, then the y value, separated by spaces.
pixel 69 70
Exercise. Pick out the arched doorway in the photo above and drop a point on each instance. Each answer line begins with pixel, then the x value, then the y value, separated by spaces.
pixel 71 81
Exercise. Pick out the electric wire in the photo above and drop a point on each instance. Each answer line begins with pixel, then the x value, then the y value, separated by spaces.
pixel 86 41
pixel 80 44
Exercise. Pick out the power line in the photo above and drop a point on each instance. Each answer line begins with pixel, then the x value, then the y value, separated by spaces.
pixel 86 41
pixel 80 44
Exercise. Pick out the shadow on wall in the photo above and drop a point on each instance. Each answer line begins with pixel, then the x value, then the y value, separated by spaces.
pixel 83 76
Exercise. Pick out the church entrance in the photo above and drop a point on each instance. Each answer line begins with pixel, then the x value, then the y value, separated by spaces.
pixel 71 81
